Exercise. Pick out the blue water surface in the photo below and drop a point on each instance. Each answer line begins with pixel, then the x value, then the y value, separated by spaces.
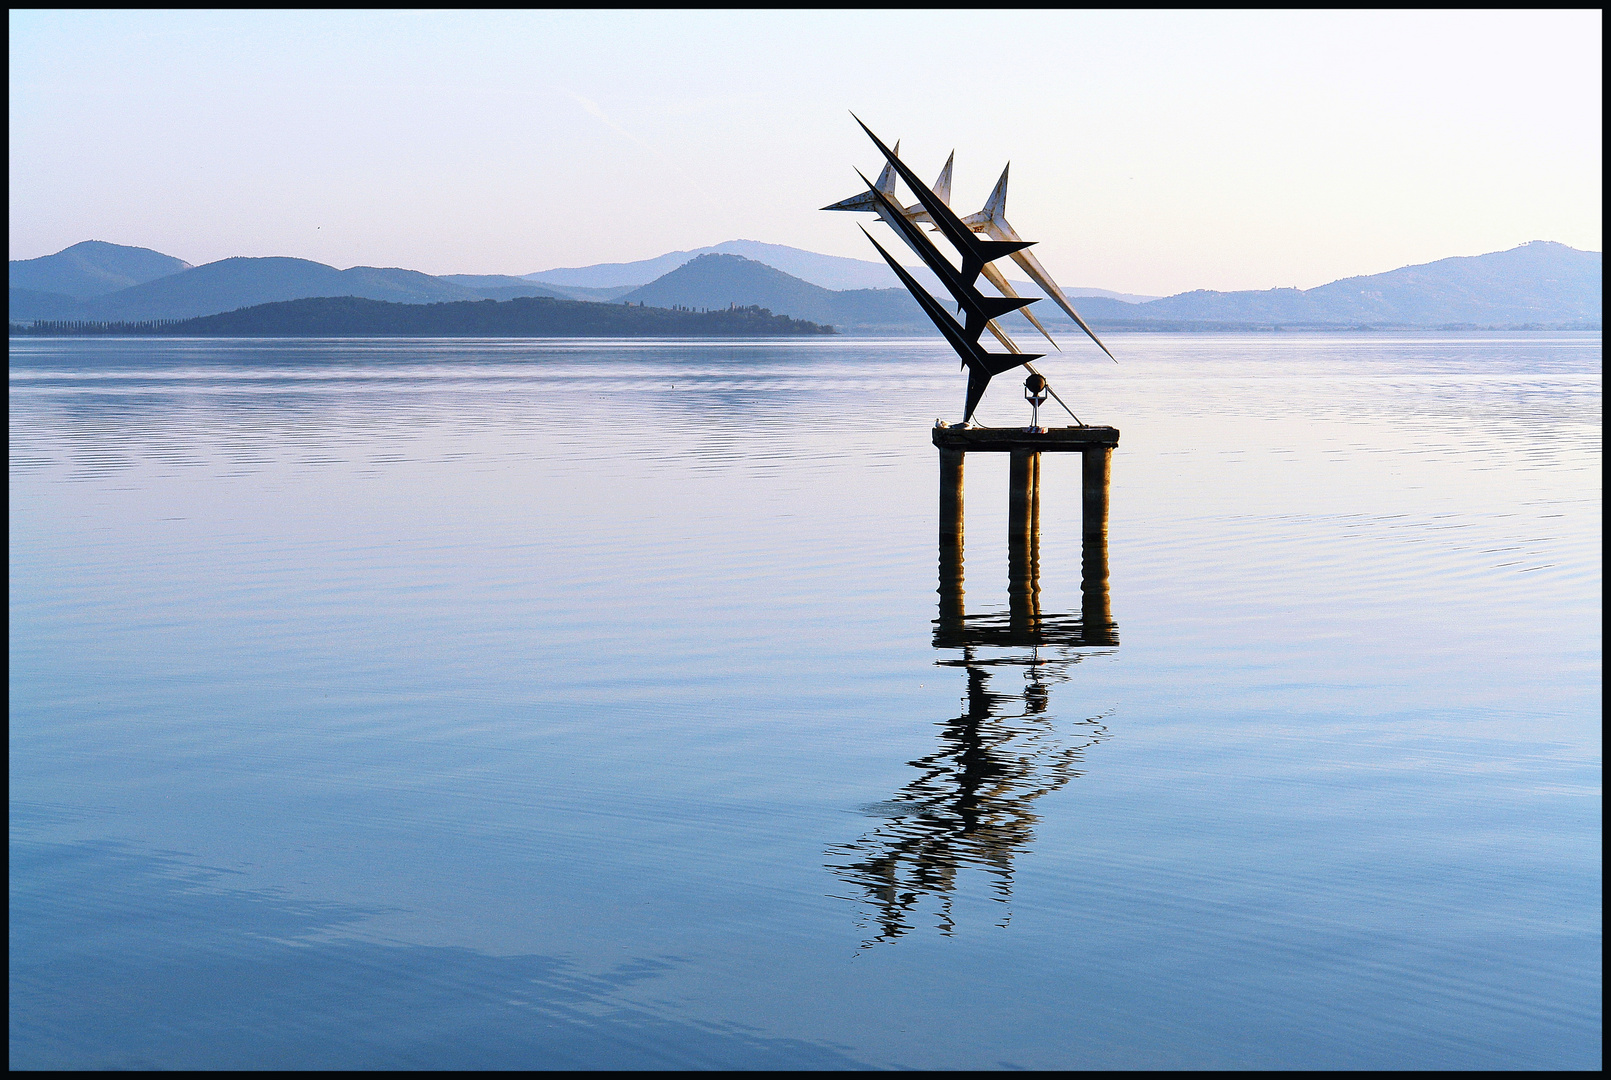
pixel 559 704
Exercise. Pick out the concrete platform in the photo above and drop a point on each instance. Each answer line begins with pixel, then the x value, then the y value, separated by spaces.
pixel 1071 439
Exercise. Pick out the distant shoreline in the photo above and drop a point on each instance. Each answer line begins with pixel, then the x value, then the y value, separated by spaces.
pixel 19 331
pixel 351 316
pixel 552 317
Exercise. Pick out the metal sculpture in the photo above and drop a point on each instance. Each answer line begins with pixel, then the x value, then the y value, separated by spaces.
pixel 978 222
pixel 980 312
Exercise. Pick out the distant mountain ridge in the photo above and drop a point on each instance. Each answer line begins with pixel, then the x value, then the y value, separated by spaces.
pixel 229 284
pixel 714 281
pixel 1541 284
pixel 1537 282
pixel 825 271
pixel 488 284
pixel 241 282
pixel 93 268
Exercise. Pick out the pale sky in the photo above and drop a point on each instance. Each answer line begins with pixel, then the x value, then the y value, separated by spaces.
pixel 1152 152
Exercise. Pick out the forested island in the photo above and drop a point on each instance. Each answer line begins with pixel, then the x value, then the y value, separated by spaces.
pixel 537 316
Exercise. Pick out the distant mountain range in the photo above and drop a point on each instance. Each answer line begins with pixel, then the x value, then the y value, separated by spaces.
pixel 1540 284
pixel 826 271
pixel 711 280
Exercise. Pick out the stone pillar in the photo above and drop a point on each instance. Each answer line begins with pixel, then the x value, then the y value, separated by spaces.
pixel 952 607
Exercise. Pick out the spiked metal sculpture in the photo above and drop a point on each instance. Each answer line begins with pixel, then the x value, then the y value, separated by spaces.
pixel 992 221
pixel 917 215
pixel 979 311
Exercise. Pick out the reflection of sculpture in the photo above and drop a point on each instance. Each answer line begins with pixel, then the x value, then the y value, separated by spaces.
pixel 972 805
pixel 981 312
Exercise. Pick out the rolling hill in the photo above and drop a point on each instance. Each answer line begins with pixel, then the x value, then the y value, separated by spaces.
pixel 826 271
pixel 169 288
pixel 1539 284
pixel 30 304
pixel 505 287
pixel 93 268
pixel 715 281
pixel 236 283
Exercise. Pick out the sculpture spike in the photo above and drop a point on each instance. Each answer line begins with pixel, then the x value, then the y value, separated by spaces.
pixel 886 179
pixel 864 201
pixel 942 186
pixel 996 205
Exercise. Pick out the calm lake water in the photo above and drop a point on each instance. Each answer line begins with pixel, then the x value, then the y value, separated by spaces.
pixel 535 704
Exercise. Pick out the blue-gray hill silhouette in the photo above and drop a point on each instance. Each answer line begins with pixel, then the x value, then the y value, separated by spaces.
pixel 229 284
pixel 825 271
pixel 30 304
pixel 1541 284
pixel 93 268
pixel 504 287
pixel 241 282
pixel 716 281
pixel 833 272
pixel 1538 284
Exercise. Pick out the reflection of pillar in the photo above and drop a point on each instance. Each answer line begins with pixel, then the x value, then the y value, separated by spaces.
pixel 951 600
pixel 1096 609
pixel 1096 612
pixel 1023 542
pixel 1098 460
